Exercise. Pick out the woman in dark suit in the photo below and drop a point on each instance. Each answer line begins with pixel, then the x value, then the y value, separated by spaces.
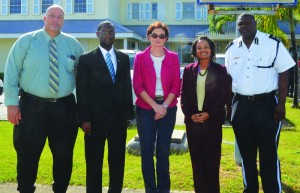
pixel 203 96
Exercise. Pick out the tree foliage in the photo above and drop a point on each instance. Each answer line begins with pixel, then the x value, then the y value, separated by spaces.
pixel 265 23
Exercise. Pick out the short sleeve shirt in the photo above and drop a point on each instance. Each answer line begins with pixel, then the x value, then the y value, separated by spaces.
pixel 251 69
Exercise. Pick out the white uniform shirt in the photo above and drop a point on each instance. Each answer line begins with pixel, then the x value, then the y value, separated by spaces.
pixel 241 64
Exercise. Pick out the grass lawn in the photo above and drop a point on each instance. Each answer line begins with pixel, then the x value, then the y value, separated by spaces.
pixel 180 166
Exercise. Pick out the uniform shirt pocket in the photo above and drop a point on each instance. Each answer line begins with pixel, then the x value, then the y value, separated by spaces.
pixel 261 62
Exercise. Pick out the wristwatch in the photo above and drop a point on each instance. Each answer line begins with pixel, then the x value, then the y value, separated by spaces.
pixel 165 106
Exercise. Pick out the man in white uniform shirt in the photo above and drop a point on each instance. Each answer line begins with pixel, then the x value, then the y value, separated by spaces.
pixel 258 64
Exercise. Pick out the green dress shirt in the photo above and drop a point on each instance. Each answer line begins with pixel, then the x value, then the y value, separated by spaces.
pixel 27 66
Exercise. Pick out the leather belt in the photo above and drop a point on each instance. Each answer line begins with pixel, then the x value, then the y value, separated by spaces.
pixel 159 97
pixel 255 97
pixel 51 100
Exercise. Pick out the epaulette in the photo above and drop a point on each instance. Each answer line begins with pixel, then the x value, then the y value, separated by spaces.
pixel 274 38
pixel 230 44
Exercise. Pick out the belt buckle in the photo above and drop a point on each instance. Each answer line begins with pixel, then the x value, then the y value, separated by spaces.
pixel 250 98
pixel 159 98
pixel 52 100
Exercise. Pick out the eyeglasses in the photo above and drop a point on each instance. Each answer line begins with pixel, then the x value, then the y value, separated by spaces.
pixel 161 36
pixel 107 33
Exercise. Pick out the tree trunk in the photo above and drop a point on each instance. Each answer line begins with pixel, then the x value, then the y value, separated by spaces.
pixel 295 57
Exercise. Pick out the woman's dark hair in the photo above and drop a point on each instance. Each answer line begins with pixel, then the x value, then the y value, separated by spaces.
pixel 158 24
pixel 211 45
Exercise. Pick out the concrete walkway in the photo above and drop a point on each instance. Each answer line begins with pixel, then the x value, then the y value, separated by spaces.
pixel 12 188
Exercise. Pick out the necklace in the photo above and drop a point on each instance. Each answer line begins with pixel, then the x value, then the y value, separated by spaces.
pixel 205 72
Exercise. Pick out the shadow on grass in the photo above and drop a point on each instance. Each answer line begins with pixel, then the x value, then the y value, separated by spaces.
pixel 287 125
pixel 288 189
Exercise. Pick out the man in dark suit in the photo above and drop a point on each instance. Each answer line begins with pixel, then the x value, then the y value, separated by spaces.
pixel 104 96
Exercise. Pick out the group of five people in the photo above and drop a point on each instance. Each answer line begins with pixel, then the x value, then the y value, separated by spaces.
pixel 104 104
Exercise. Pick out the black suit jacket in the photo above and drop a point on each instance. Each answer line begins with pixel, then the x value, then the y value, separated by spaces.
pixel 216 93
pixel 99 99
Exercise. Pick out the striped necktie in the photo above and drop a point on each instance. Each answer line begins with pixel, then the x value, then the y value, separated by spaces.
pixel 54 80
pixel 110 67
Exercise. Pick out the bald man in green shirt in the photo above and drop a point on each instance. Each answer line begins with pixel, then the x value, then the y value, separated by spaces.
pixel 41 64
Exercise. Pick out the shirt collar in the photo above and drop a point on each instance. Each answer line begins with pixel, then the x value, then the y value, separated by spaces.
pixel 256 39
pixel 104 51
pixel 48 38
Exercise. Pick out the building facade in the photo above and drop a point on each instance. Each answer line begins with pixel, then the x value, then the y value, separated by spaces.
pixel 185 18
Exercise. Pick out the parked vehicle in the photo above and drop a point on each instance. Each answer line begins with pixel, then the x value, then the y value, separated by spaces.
pixel 131 54
pixel 220 59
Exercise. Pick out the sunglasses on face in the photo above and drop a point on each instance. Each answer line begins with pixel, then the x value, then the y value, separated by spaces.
pixel 161 36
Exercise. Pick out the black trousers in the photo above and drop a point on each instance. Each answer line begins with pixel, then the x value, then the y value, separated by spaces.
pixel 205 151
pixel 115 133
pixel 57 121
pixel 256 130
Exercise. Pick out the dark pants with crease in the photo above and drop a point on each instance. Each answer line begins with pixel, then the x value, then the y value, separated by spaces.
pixel 42 120
pixel 205 149
pixel 115 133
pixel 256 131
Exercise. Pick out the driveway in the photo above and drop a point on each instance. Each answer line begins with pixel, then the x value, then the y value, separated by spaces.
pixel 3 112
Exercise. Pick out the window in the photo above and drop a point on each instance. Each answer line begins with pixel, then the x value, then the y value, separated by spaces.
pixel 135 10
pixel 79 6
pixel 178 11
pixel 188 10
pixel 36 7
pixel 15 6
pixel 69 5
pixel 141 12
pixel 90 6
pixel 24 7
pixel 145 11
pixel 48 3
pixel 129 11
pixel 154 10
pixel 4 7
pixel 201 12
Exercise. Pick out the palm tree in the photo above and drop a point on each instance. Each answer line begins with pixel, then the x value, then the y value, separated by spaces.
pixel 268 24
